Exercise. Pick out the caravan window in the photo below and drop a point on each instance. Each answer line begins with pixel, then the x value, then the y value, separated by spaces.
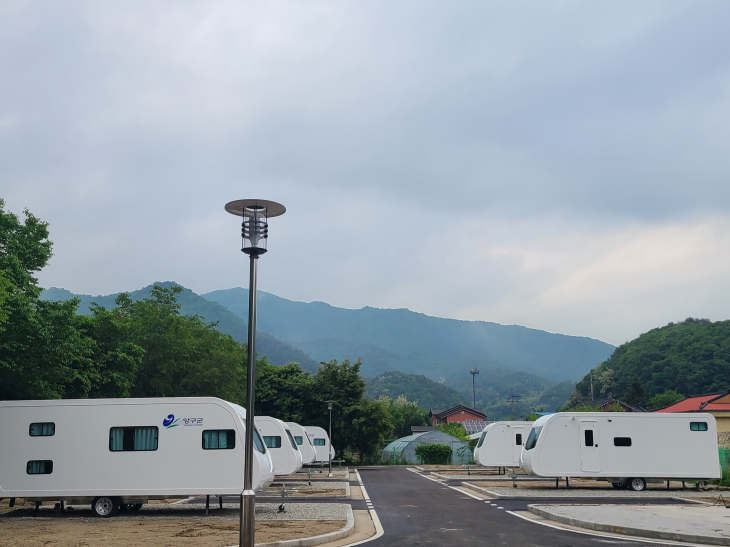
pixel 481 439
pixel 588 434
pixel 47 429
pixel 518 439
pixel 532 438
pixel 319 442
pixel 622 441
pixel 291 440
pixel 698 426
pixel 39 467
pixel 272 441
pixel 132 439
pixel 219 439
pixel 299 440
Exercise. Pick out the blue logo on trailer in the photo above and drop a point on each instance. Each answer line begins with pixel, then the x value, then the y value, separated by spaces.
pixel 170 421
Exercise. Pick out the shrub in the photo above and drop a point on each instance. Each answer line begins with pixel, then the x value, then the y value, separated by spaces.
pixel 434 454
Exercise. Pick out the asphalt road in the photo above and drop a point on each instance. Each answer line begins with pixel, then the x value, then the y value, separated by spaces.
pixel 416 511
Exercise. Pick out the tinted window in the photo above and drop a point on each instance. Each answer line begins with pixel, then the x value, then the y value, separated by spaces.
pixel 291 440
pixel 588 433
pixel 532 438
pixel 518 439
pixel 319 442
pixel 39 467
pixel 132 439
pixel 258 442
pixel 622 441
pixel 481 439
pixel 219 439
pixel 299 440
pixel 272 441
pixel 46 429
pixel 698 426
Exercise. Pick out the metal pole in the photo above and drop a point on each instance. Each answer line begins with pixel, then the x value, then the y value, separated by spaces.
pixel 330 450
pixel 248 497
pixel 474 389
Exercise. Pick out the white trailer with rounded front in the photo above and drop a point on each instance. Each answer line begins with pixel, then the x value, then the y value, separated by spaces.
pixel 112 452
pixel 625 448
pixel 321 442
pixel 501 443
pixel 303 442
pixel 280 442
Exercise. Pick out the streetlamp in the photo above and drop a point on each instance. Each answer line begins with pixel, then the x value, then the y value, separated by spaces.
pixel 254 234
pixel 329 407
pixel 474 372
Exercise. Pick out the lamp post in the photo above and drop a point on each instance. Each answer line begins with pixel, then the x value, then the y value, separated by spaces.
pixel 474 372
pixel 255 214
pixel 329 452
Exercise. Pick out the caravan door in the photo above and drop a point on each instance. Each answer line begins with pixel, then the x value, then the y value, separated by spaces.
pixel 590 457
pixel 518 439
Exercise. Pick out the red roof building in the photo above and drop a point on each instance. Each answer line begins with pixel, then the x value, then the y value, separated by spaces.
pixel 717 404
pixel 458 413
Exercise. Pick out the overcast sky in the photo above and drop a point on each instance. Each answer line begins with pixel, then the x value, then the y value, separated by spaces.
pixel 561 165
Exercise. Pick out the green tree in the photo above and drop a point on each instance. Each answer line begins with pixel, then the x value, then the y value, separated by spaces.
pixel 455 429
pixel 404 414
pixel 43 355
pixel 369 423
pixel 663 400
pixel 636 394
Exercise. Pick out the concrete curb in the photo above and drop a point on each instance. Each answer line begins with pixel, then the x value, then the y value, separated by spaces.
pixel 626 530
pixel 475 477
pixel 348 530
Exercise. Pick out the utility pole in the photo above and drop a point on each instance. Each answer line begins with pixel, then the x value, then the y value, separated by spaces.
pixel 512 400
pixel 474 371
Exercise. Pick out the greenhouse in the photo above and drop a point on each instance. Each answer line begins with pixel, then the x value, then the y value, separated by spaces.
pixel 404 449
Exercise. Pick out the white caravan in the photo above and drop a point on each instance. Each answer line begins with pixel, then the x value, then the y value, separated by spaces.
pixel 303 442
pixel 321 443
pixel 112 452
pixel 624 448
pixel 501 444
pixel 282 447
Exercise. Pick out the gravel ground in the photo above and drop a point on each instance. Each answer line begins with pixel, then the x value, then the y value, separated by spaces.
pixel 302 484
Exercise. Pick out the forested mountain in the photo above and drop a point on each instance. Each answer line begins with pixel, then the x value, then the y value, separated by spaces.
pixel 416 387
pixel 494 386
pixel 690 358
pixel 399 339
pixel 278 352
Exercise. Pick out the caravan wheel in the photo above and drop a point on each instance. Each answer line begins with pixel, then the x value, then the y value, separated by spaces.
pixel 105 506
pixel 637 485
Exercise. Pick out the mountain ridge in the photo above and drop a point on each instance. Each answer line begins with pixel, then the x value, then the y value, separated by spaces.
pixel 413 342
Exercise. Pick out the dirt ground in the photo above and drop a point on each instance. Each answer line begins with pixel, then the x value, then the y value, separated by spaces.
pixel 158 533
pixel 190 532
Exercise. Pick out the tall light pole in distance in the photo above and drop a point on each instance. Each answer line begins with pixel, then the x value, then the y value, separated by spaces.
pixel 474 371
pixel 329 452
pixel 254 234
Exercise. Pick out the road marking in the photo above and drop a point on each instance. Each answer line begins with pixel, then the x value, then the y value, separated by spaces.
pixel 616 537
pixel 373 515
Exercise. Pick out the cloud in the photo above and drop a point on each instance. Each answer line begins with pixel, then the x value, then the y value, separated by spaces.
pixel 558 164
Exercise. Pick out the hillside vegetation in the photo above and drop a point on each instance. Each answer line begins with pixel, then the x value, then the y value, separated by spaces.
pixel 494 385
pixel 416 387
pixel 399 339
pixel 689 358
pixel 277 352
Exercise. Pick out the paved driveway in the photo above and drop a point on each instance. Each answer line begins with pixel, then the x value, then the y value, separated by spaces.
pixel 416 511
